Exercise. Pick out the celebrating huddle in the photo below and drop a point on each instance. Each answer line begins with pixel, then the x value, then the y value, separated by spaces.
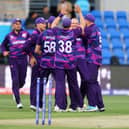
pixel 60 51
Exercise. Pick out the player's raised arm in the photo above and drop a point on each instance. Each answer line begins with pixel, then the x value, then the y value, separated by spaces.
pixel 58 18
pixel 82 20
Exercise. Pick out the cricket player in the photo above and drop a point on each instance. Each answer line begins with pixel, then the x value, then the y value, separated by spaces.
pixel 45 46
pixel 40 24
pixel 81 67
pixel 65 63
pixel 92 39
pixel 12 47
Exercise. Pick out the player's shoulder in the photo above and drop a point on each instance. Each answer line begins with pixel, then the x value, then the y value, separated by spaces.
pixel 48 32
pixel 25 33
pixel 35 31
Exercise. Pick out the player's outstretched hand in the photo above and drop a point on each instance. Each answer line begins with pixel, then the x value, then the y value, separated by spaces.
pixel 77 9
pixel 5 53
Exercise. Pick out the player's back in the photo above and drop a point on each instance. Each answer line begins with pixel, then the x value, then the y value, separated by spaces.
pixel 48 46
pixel 66 44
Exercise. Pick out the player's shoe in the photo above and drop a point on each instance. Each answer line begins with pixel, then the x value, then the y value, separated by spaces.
pixel 79 109
pixel 84 105
pixel 19 106
pixel 91 109
pixel 32 107
pixel 57 109
pixel 71 110
pixel 102 109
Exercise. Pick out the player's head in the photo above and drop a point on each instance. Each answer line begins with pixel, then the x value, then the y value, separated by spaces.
pixel 50 20
pixel 90 19
pixel 74 23
pixel 66 22
pixel 40 23
pixel 17 24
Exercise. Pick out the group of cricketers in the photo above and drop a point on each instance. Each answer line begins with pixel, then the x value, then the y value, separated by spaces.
pixel 59 50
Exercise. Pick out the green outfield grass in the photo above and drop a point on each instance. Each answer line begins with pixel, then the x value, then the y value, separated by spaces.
pixel 116 114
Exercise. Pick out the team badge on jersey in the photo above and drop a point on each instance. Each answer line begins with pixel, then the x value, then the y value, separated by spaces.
pixel 24 35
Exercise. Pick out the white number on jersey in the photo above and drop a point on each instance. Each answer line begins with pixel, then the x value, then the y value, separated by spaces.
pixel 65 46
pixel 49 47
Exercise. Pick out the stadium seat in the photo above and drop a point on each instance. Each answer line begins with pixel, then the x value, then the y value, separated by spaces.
pixel 121 15
pixel 99 23
pixel 126 44
pixel 105 44
pixel 106 56
pixel 106 53
pixel 124 30
pixel 120 54
pixel 97 14
pixel 115 35
pixel 127 52
pixel 117 44
pixel 125 36
pixel 108 15
pixel 110 24
pixel 123 24
pixel 106 61
pixel 85 13
pixel 104 34
pixel 111 30
pixel 124 33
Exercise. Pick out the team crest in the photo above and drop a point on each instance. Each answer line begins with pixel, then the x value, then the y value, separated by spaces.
pixel 24 35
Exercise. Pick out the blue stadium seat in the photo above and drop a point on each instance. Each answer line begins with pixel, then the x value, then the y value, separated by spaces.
pixel 116 44
pixel 105 44
pixel 124 30
pixel 127 44
pixel 106 56
pixel 106 53
pixel 108 15
pixel 121 20
pixel 111 24
pixel 85 13
pixel 104 34
pixel 111 30
pixel 123 24
pixel 115 35
pixel 124 33
pixel 120 54
pixel 126 36
pixel 127 56
pixel 97 14
pixel 121 15
pixel 106 61
pixel 99 23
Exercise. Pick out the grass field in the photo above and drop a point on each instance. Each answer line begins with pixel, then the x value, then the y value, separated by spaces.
pixel 115 116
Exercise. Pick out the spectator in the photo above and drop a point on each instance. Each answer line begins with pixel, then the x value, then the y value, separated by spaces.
pixel 46 12
pixel 30 21
pixel 67 5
